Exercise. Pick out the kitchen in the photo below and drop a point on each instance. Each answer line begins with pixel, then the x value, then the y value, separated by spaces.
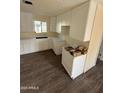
pixel 78 26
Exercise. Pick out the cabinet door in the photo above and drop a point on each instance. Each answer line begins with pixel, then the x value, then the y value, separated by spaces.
pixel 79 19
pixel 63 20
pixel 78 65
pixel 67 61
pixel 42 44
pixel 28 46
pixel 66 18
pixel 21 47
pixel 58 27
pixel 53 24
pixel 26 22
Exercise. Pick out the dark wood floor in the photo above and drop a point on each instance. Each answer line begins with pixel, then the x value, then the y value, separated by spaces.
pixel 44 71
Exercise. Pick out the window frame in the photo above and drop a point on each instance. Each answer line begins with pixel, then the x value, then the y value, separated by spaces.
pixel 41 25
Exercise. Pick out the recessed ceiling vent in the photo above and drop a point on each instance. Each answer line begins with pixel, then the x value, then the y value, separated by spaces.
pixel 28 2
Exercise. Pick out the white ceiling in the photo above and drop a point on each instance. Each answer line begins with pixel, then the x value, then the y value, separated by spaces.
pixel 49 7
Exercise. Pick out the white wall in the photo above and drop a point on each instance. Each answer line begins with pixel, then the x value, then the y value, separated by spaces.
pixel 90 19
pixel 96 39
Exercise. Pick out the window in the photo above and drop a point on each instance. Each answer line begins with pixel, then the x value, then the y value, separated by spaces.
pixel 40 26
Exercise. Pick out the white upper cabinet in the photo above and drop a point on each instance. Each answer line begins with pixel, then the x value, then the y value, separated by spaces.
pixel 58 25
pixel 63 20
pixel 66 19
pixel 26 22
pixel 79 20
pixel 53 24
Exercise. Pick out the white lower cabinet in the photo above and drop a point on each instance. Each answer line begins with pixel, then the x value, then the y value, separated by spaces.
pixel 73 65
pixel 57 45
pixel 42 44
pixel 27 46
pixel 21 47
pixel 34 45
